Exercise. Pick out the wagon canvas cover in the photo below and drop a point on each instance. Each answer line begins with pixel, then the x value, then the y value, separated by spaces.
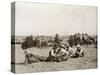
pixel 52 37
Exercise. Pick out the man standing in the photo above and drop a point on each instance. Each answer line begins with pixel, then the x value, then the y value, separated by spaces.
pixel 57 40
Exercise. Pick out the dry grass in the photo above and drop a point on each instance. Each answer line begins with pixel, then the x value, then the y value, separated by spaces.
pixel 89 61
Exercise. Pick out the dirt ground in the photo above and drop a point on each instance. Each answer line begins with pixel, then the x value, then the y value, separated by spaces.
pixel 89 61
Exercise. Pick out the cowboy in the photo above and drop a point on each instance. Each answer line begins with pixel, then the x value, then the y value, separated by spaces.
pixel 54 54
pixel 80 51
pixel 28 54
pixel 30 57
pixel 63 53
pixel 71 51
pixel 57 40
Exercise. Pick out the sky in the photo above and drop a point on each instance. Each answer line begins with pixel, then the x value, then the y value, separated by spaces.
pixel 49 19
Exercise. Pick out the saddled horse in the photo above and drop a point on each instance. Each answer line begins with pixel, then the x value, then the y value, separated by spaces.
pixel 82 39
pixel 88 40
pixel 27 43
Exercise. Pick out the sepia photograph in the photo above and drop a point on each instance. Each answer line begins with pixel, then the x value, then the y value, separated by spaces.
pixel 53 37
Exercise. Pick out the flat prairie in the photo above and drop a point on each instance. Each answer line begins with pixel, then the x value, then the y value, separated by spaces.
pixel 89 61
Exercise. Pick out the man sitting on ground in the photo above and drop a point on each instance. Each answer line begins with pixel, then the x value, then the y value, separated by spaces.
pixel 80 51
pixel 64 53
pixel 53 54
pixel 70 50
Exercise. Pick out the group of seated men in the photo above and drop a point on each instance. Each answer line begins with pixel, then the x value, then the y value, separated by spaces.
pixel 63 52
pixel 57 53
